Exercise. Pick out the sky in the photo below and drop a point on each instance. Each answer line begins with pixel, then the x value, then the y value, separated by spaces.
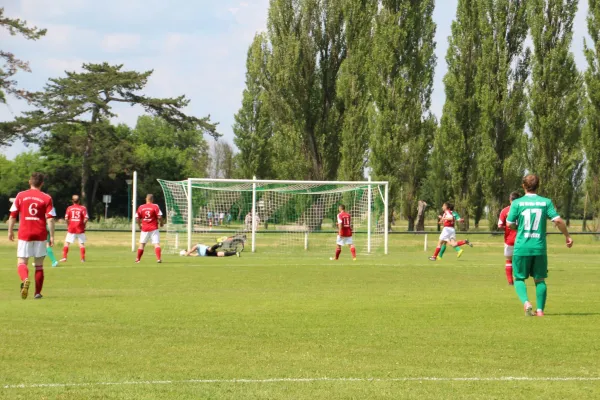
pixel 195 47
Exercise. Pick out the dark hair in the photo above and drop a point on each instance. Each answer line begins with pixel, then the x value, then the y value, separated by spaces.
pixel 343 207
pixel 449 206
pixel 37 179
pixel 531 182
pixel 514 195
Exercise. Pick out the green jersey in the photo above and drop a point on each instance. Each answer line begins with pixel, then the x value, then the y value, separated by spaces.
pixel 531 213
pixel 456 216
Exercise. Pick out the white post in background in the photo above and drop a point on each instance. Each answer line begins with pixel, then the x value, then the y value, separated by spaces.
pixel 190 212
pixel 425 244
pixel 133 210
pixel 386 222
pixel 305 240
pixel 254 215
pixel 369 204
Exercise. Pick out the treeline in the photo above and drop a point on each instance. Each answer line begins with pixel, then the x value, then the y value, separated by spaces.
pixel 340 88
pixel 153 147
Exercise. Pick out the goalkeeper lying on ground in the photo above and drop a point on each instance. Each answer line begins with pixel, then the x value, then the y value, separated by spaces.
pixel 201 250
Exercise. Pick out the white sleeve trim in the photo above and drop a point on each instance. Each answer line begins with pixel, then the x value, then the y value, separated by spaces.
pixel 510 222
pixel 53 212
pixel 555 218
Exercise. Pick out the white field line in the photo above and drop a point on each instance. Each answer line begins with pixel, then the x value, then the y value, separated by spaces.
pixel 309 380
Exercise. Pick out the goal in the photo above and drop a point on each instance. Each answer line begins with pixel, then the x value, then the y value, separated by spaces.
pixel 273 215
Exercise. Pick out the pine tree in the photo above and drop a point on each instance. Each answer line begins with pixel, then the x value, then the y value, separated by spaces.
pixel 591 131
pixel 85 99
pixel 555 102
pixel 12 64
pixel 459 128
pixel 353 90
pixel 502 73
pixel 401 83
pixel 253 128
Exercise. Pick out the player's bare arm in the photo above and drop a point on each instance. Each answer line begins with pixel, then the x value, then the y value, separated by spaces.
pixel 562 227
pixel 11 228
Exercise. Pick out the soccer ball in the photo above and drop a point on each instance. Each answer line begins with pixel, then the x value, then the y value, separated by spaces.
pixel 182 253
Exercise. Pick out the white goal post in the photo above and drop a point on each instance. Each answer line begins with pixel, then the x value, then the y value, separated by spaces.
pixel 278 214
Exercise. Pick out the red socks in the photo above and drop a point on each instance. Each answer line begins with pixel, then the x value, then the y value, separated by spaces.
pixel 437 251
pixel 509 272
pixel 337 253
pixel 157 252
pixel 65 251
pixel 82 253
pixel 23 271
pixel 353 251
pixel 39 278
pixel 140 252
pixel 461 243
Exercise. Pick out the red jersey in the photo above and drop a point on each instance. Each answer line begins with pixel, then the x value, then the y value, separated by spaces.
pixel 345 228
pixel 448 223
pixel 33 207
pixel 149 214
pixel 509 234
pixel 77 216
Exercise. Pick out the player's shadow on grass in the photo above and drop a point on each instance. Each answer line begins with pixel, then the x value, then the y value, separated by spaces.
pixel 575 314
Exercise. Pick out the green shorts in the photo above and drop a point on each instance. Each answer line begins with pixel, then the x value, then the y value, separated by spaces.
pixel 534 266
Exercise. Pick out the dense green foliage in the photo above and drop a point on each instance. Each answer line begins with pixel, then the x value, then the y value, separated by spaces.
pixel 341 89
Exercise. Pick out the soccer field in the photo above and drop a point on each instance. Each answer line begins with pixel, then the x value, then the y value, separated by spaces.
pixel 296 325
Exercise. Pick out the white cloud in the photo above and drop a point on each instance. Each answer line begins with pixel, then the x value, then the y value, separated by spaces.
pixel 57 66
pixel 117 42
pixel 233 10
pixel 45 9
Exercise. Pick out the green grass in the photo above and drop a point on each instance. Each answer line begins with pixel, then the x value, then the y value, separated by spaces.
pixel 298 315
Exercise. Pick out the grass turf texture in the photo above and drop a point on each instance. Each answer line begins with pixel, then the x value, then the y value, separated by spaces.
pixel 299 315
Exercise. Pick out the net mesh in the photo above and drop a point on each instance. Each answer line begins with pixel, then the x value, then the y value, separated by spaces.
pixel 291 216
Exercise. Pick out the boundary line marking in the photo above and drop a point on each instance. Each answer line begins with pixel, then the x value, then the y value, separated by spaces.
pixel 310 380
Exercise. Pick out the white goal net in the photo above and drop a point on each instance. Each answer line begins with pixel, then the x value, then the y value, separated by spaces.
pixel 275 216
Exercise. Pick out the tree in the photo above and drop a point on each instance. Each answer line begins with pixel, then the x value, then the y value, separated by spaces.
pixel 591 133
pixel 402 81
pixel 308 48
pixel 222 158
pixel 253 128
pixel 12 64
pixel 461 113
pixel 85 99
pixel 502 73
pixel 161 150
pixel 555 101
pixel 352 88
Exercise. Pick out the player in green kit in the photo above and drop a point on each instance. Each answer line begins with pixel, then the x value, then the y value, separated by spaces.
pixel 528 215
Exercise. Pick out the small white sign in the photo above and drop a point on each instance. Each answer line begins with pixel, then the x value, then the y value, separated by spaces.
pixel 106 198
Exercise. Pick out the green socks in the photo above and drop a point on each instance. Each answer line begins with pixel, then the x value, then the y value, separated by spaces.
pixel 522 290
pixel 442 250
pixel 457 249
pixel 541 292
pixel 50 253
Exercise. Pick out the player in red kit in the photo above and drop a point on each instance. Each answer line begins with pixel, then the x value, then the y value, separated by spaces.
pixel 509 239
pixel 149 217
pixel 344 233
pixel 76 217
pixel 34 209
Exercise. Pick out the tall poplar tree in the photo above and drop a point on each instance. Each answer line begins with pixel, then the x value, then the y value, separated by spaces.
pixel 403 64
pixel 253 128
pixel 308 48
pixel 592 126
pixel 459 128
pixel 502 73
pixel 555 101
pixel 353 90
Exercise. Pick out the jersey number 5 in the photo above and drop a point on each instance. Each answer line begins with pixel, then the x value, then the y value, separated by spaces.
pixel 536 219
